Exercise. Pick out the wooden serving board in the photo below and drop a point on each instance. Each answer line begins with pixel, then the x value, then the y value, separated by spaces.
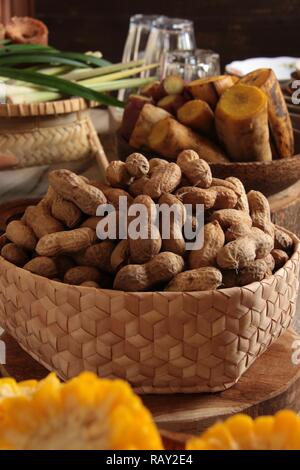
pixel 271 384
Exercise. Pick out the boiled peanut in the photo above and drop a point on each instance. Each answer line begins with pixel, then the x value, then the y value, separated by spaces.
pixel 139 278
pixel 239 253
pixel 73 188
pixel 283 241
pixel 137 187
pixel 260 212
pixel 120 256
pixel 141 249
pixel 280 258
pixel 76 276
pixel 90 284
pixel 97 256
pixel 197 171
pixel 242 204
pixel 163 179
pixel 42 266
pixel 117 175
pixel 14 254
pixel 137 165
pixel 174 241
pixel 40 220
pixel 65 211
pixel 66 242
pixel 214 240
pixel 23 236
pixel 201 279
pixel 213 198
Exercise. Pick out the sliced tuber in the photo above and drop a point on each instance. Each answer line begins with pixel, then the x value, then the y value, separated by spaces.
pixel 148 117
pixel 173 85
pixel 154 90
pixel 131 114
pixel 279 118
pixel 198 115
pixel 242 124
pixel 171 103
pixel 210 89
pixel 169 138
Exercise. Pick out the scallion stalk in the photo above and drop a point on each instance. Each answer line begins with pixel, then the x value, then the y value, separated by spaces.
pixel 83 74
pixel 117 75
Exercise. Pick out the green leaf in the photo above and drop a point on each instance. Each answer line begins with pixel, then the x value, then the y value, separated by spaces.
pixel 20 59
pixel 85 58
pixel 63 86
pixel 25 49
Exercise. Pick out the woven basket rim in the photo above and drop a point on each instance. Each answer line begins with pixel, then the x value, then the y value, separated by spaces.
pixel 49 108
pixel 171 295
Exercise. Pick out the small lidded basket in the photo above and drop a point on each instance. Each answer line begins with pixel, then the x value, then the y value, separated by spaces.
pixel 51 133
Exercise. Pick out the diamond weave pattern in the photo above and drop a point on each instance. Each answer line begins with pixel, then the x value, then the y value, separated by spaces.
pixel 160 342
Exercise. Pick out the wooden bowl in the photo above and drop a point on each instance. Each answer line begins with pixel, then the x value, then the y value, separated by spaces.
pixel 267 177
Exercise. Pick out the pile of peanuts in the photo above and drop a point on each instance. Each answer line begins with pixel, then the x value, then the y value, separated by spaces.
pixel 57 238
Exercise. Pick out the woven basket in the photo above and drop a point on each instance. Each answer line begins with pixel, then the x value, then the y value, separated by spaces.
pixel 48 133
pixel 161 342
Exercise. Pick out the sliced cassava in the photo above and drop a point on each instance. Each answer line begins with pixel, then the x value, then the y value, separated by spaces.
pixel 279 118
pixel 148 117
pixel 169 138
pixel 198 115
pixel 242 124
pixel 210 89
pixel 171 103
pixel 132 111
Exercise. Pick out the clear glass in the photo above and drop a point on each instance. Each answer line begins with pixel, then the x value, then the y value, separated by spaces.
pixel 168 35
pixel 191 65
pixel 140 27
pixel 139 30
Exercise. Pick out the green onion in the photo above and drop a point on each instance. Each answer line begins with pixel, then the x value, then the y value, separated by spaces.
pixel 120 84
pixel 83 74
pixel 85 58
pixel 33 95
pixel 58 70
pixel 38 59
pixel 118 75
pixel 26 49
pixel 63 86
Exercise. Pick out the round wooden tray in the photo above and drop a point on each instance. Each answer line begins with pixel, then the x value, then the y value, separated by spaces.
pixel 271 384
pixel 267 177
